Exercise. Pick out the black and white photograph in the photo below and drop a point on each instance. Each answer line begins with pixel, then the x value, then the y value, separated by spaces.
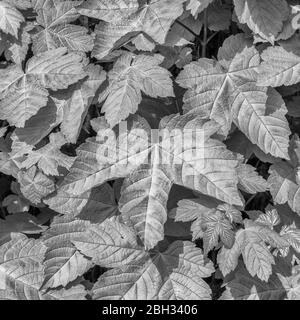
pixel 149 150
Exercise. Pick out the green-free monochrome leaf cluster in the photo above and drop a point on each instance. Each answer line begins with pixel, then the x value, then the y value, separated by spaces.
pixel 76 226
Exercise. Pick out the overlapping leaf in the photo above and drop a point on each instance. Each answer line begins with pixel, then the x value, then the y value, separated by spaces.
pixel 123 19
pixel 263 17
pixel 63 263
pixel 250 242
pixel 228 93
pixel 284 186
pixel 175 273
pixel 145 191
pixel 10 18
pixel 21 269
pixel 24 93
pixel 245 287
pixel 54 17
pixel 279 67
pixel 131 75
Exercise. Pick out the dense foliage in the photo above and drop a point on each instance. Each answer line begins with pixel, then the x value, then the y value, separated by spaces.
pixel 75 225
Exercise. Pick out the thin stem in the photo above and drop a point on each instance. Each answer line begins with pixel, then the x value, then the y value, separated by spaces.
pixel 249 200
pixel 212 36
pixel 187 28
pixel 204 41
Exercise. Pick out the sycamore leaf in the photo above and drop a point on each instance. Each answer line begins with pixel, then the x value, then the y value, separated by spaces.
pixel 35 185
pixel 228 93
pixel 57 32
pixel 144 195
pixel 63 263
pixel 233 45
pixel 215 226
pixel 17 48
pixel 250 181
pixel 284 186
pixel 39 126
pixel 231 213
pixel 94 205
pixel 142 43
pixel 292 234
pixel 245 287
pixel 49 157
pixel 10 18
pixel 279 67
pixel 21 269
pixel 173 274
pixel 191 209
pixel 125 19
pixel 24 93
pixel 129 76
pixel 250 242
pixel 211 220
pixel 263 17
pixel 78 99
pixel 12 156
pixel 110 244
pixel 269 219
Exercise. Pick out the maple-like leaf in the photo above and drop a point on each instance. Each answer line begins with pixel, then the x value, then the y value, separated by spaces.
pixel 250 181
pixel 263 17
pixel 122 19
pixel 49 157
pixel 292 235
pixel 269 219
pixel 11 156
pixel 110 244
pixel 21 272
pixel 63 263
pixel 175 273
pixel 245 287
pixel 38 126
pixel 284 186
pixel 227 92
pixel 17 48
pixel 250 242
pixel 145 191
pixel 211 220
pixel 24 93
pixel 54 17
pixel 35 185
pixel 10 18
pixel 129 76
pixel 76 101
pixel 94 205
pixel 216 226
pixel 279 67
